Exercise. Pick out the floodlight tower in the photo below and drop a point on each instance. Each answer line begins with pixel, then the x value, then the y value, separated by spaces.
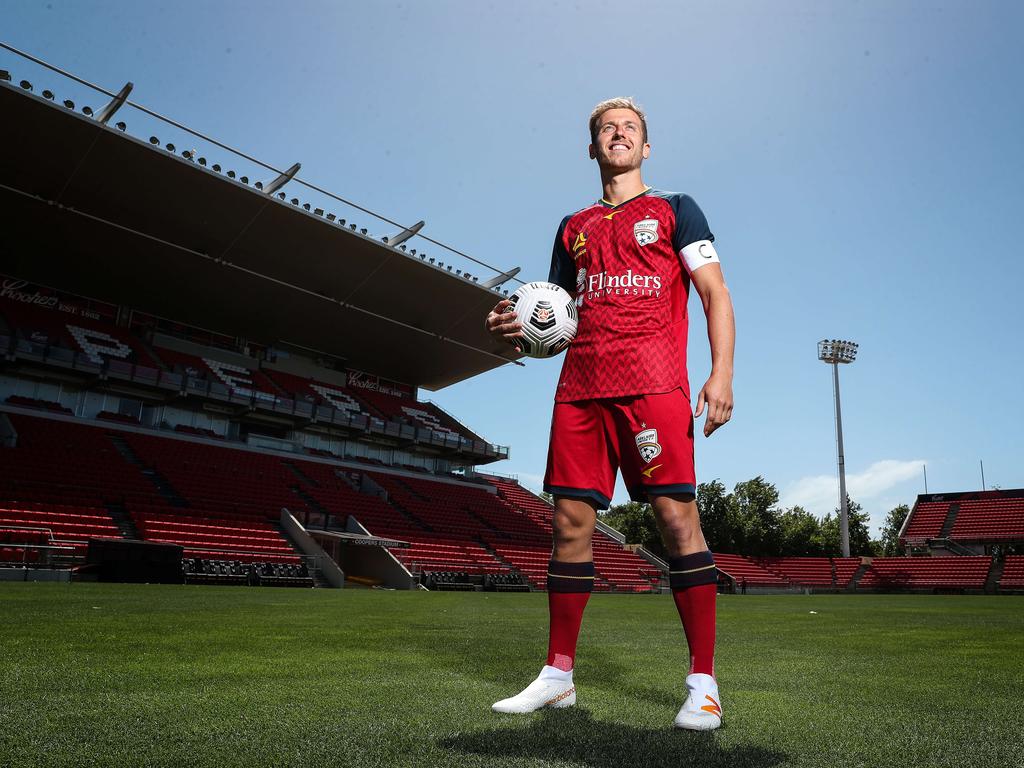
pixel 836 351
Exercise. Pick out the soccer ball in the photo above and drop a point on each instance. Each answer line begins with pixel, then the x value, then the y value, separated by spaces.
pixel 549 318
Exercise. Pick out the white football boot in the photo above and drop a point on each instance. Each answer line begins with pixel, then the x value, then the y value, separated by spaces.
pixel 703 708
pixel 552 688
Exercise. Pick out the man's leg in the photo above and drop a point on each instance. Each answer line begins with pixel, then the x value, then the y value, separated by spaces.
pixel 694 578
pixel 570 577
pixel 570 582
pixel 582 461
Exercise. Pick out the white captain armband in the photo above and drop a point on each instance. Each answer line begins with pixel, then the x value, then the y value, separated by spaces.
pixel 697 254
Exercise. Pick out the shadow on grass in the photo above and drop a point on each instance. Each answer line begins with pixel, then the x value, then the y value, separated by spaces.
pixel 573 736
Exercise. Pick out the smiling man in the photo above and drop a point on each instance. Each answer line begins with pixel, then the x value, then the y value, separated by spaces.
pixel 623 399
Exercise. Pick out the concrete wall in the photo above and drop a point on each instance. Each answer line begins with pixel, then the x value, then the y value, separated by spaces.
pixel 325 564
pixel 374 562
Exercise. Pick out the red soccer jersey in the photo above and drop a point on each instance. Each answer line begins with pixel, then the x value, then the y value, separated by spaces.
pixel 623 265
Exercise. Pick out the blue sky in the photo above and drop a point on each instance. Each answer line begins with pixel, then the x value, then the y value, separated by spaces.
pixel 859 163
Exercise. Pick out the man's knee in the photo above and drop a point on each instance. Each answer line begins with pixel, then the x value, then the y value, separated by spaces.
pixel 680 524
pixel 569 529
pixel 573 524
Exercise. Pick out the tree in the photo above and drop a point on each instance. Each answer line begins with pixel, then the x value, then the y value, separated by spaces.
pixel 714 506
pixel 547 497
pixel 636 522
pixel 800 533
pixel 890 543
pixel 860 537
pixel 756 519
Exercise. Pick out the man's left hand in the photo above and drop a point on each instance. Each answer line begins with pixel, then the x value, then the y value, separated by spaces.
pixel 717 394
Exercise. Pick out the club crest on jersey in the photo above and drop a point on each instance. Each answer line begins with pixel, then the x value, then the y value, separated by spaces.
pixel 646 231
pixel 648 445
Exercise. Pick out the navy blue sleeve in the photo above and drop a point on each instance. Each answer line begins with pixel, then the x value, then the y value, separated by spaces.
pixel 691 225
pixel 563 270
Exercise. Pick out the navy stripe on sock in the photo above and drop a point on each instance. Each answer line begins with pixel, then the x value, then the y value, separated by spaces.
pixel 692 570
pixel 570 577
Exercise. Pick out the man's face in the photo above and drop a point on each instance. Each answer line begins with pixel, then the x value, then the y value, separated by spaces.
pixel 620 142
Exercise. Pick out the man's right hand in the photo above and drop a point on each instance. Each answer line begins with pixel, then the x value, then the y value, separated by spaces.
pixel 501 323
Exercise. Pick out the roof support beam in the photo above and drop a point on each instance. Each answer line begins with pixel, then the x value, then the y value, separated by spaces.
pixel 504 277
pixel 281 180
pixel 396 240
pixel 104 115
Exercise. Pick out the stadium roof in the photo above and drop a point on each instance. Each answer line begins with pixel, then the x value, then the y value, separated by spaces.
pixel 90 209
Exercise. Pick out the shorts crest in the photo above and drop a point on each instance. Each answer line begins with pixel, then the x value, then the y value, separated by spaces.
pixel 648 445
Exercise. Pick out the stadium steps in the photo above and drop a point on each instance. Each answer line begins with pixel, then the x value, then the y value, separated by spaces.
pixel 162 485
pixel 409 489
pixel 507 563
pixel 165 488
pixel 951 546
pixel 313 503
pixel 297 471
pixel 995 574
pixel 347 479
pixel 123 520
pixel 947 526
pixel 855 579
pixel 483 521
pixel 419 523
pixel 126 451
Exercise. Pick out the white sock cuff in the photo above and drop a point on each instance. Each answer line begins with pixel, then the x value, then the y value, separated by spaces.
pixel 554 673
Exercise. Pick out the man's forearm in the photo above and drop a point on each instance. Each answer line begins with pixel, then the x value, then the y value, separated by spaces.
pixel 721 330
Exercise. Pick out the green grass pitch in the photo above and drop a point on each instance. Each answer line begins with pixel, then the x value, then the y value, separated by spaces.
pixel 127 675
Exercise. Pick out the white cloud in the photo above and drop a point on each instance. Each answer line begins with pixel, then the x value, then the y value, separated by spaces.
pixel 819 494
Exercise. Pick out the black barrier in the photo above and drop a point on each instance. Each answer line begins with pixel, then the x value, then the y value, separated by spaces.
pixel 135 561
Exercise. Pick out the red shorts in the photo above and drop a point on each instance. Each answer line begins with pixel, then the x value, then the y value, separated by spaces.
pixel 650 437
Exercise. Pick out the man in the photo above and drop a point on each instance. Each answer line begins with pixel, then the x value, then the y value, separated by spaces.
pixel 623 399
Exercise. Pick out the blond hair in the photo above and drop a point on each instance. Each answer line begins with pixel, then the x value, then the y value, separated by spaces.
pixel 623 102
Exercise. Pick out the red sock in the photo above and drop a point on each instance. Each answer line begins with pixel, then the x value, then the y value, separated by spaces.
pixel 566 612
pixel 569 586
pixel 696 606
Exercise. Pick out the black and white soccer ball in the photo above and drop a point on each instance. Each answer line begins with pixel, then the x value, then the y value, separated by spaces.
pixel 549 318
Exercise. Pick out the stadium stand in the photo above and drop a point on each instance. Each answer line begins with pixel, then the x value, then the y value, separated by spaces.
pixel 927 520
pixel 66 479
pixel 66 463
pixel 65 476
pixel 331 395
pixel 211 538
pixel 809 571
pixel 24 544
pixel 427 415
pixel 742 569
pixel 926 573
pixel 237 378
pixel 846 569
pixel 1013 572
pixel 96 339
pixel 990 519
pixel 973 519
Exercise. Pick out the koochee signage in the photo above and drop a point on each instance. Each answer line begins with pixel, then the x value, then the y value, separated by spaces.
pixel 373 383
pixel 41 297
